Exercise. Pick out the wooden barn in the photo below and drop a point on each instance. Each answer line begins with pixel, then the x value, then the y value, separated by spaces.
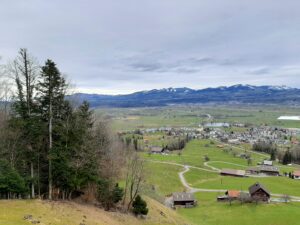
pixel 269 170
pixel 184 199
pixel 259 193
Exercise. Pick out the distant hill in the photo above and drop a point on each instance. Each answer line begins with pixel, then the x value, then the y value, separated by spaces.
pixel 162 97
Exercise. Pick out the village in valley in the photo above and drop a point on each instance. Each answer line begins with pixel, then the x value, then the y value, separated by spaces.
pixel 232 163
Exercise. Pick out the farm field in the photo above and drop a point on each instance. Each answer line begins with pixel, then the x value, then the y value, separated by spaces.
pixel 192 116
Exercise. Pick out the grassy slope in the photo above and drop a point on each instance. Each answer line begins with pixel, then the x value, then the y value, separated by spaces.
pixel 163 177
pixel 64 213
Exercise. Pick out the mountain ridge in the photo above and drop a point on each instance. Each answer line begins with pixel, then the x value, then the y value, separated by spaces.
pixel 238 93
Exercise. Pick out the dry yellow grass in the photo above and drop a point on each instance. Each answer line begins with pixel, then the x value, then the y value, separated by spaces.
pixel 12 212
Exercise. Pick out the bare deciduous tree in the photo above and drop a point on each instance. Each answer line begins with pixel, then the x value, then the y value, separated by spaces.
pixel 134 178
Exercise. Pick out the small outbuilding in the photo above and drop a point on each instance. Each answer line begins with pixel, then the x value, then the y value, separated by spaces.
pixel 156 150
pixel 259 193
pixel 268 163
pixel 232 172
pixel 184 199
pixel 296 174
pixel 230 195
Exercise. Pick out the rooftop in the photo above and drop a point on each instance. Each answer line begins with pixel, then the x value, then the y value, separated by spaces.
pixel 183 196
pixel 289 118
pixel 233 193
pixel 255 187
pixel 297 173
pixel 233 172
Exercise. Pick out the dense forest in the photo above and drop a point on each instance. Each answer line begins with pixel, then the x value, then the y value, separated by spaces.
pixel 53 148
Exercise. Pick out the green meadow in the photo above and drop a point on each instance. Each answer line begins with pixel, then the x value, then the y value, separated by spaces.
pixel 192 116
pixel 210 212
pixel 195 151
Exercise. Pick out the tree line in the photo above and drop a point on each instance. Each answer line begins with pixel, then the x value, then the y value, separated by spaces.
pixel 53 148
pixel 287 156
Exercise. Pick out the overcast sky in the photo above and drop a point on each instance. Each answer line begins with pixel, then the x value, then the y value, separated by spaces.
pixel 121 46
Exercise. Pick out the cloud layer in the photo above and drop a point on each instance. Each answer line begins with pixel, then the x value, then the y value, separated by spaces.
pixel 124 46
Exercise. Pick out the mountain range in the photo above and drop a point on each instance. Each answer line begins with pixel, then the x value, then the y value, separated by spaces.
pixel 239 94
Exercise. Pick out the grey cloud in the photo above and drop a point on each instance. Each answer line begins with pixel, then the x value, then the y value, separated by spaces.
pixel 147 67
pixel 125 46
pixel 260 71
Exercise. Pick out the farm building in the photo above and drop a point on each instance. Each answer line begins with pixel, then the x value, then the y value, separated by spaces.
pixel 266 170
pixel 296 174
pixel 156 150
pixel 184 199
pixel 253 170
pixel 269 170
pixel 268 163
pixel 234 173
pixel 259 193
pixel 230 195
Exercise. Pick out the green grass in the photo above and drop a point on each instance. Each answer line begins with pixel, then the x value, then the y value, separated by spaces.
pixel 192 116
pixel 163 177
pixel 210 212
pixel 196 177
pixel 279 185
pixel 222 165
pixel 194 153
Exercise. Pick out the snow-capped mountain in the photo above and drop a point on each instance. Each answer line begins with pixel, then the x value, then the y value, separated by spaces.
pixel 161 97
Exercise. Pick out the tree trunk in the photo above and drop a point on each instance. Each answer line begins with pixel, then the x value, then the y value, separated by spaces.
pixel 38 176
pixel 32 182
pixel 50 148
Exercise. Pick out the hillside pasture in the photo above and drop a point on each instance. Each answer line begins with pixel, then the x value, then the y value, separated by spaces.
pixel 210 212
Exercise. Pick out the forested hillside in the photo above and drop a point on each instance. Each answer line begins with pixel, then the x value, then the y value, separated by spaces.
pixel 53 149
